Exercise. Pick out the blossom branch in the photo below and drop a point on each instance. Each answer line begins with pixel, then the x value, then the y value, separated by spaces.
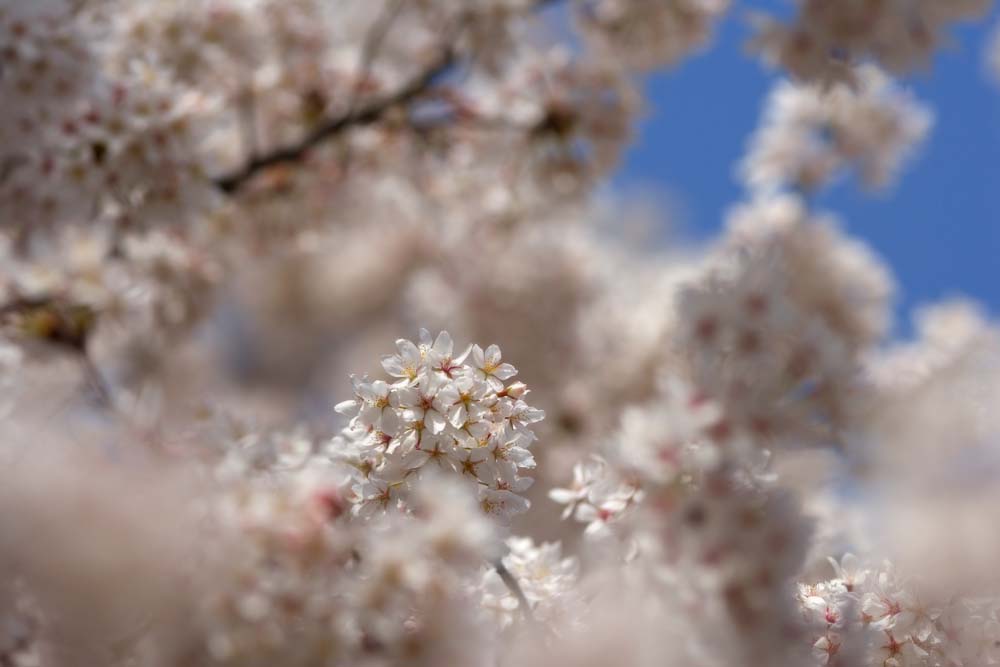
pixel 363 115
pixel 355 115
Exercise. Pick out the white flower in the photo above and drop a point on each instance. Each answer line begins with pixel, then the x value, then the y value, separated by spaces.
pixel 465 396
pixel 502 503
pixel 440 450
pixel 605 505
pixel 849 572
pixel 888 603
pixel 439 354
pixel 405 364
pixel 421 403
pixel 376 496
pixel 826 648
pixel 585 474
pixel 597 497
pixel 371 407
pixel 488 367
pixel 520 416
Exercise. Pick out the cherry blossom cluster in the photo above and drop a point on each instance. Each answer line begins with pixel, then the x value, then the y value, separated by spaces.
pixel 658 447
pixel 308 585
pixel 647 34
pixel 82 140
pixel 734 545
pixel 547 580
pixel 285 553
pixel 597 496
pixel 775 343
pixel 811 133
pixel 873 615
pixel 697 514
pixel 826 38
pixel 442 410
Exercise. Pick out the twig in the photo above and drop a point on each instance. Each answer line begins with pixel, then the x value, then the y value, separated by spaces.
pixel 372 45
pixel 97 382
pixel 515 588
pixel 369 53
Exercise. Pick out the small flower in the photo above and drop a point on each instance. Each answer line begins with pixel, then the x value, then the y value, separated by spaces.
pixel 488 367
pixel 421 403
pixel 585 474
pixel 405 364
pixel 439 354
pixel 502 503
pixel 849 571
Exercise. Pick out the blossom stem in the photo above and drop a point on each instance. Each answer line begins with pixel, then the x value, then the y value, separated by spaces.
pixel 515 588
pixel 97 382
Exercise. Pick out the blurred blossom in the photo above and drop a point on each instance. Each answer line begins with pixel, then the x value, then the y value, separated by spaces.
pixel 825 39
pixel 811 133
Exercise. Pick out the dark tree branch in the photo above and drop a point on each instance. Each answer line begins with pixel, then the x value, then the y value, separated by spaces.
pixel 365 114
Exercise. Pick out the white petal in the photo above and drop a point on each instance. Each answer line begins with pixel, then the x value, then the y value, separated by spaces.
pixel 408 351
pixel 460 359
pixel 393 366
pixel 493 355
pixel 435 421
pixel 347 407
pixel 505 372
pixel 563 496
pixel 443 344
pixel 390 422
pixel 457 415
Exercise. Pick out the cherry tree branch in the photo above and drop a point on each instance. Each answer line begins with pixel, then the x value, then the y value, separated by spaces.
pixel 364 114
pixel 356 115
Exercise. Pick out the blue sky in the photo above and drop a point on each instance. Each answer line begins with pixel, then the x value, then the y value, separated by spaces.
pixel 937 228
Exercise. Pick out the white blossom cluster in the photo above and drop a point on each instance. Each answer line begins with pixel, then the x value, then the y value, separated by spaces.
pixel 650 33
pixel 702 519
pixel 878 617
pixel 811 133
pixel 445 410
pixel 777 329
pixel 547 580
pixel 80 140
pixel 826 39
